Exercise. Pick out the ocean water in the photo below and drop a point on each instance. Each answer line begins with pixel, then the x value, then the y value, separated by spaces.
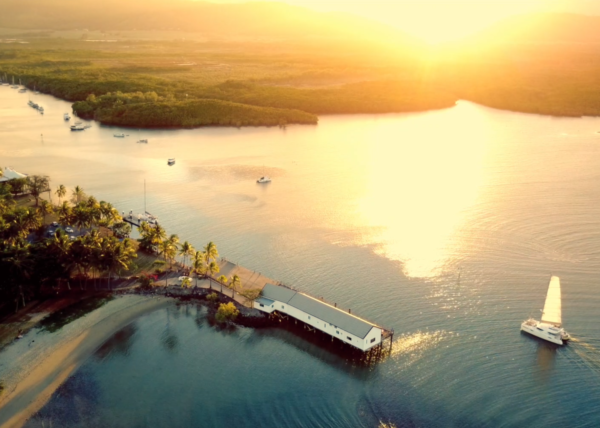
pixel 443 225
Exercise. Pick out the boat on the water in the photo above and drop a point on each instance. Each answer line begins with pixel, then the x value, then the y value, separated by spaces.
pixel 550 326
pixel 264 179
pixel 22 90
pixel 41 109
pixel 67 116
pixel 77 127
pixel 121 135
pixel 171 161
pixel 143 141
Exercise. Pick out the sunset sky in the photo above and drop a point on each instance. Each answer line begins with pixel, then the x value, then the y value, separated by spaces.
pixel 443 20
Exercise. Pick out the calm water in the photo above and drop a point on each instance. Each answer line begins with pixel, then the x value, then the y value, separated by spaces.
pixel 442 225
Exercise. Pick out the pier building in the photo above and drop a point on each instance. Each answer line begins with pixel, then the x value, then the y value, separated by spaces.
pixel 321 316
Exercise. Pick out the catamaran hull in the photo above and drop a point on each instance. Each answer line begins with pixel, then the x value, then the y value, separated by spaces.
pixel 543 332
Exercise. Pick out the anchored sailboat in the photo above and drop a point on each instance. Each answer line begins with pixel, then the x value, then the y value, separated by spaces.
pixel 549 328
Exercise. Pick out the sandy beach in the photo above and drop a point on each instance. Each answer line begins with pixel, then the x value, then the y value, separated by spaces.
pixel 42 363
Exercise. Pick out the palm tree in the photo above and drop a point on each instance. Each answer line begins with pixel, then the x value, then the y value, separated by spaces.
pixel 222 280
pixel 117 255
pixel 65 213
pixel 20 265
pixel 92 244
pixel 186 250
pixel 32 219
pixel 198 264
pixel 45 209
pixel 151 236
pixel 60 247
pixel 210 252
pixel 82 216
pixel 61 192
pixel 167 250
pixel 78 195
pixel 38 184
pixel 235 282
pixel 109 213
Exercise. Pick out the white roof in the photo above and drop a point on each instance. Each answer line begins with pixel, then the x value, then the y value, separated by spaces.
pixel 319 309
pixel 10 174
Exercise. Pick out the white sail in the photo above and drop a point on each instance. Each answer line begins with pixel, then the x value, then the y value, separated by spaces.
pixel 552 313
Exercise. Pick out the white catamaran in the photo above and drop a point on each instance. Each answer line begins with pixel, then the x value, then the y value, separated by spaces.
pixel 549 328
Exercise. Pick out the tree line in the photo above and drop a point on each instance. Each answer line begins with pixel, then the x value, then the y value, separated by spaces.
pixel 33 261
pixel 36 260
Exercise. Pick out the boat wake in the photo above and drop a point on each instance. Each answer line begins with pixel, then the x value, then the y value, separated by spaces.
pixel 589 355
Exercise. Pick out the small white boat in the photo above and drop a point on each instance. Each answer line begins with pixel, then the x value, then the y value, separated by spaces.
pixel 144 141
pixel 119 135
pixel 549 328
pixel 41 109
pixel 77 127
pixel 67 116
pixel 22 90
pixel 171 161
pixel 264 179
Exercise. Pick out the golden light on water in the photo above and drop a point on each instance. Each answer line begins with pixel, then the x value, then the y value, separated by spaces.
pixel 420 186
pixel 411 347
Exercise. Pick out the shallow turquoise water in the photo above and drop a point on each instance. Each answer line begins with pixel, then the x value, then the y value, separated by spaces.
pixel 442 225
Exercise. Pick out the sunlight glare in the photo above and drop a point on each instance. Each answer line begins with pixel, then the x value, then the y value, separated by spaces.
pixel 434 21
pixel 421 186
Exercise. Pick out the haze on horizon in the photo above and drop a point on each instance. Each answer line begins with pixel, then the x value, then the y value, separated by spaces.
pixel 438 21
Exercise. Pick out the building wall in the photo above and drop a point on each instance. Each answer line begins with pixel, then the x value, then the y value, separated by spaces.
pixel 344 336
pixel 265 308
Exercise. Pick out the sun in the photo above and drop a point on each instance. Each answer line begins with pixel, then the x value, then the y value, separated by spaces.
pixel 434 21
pixel 438 21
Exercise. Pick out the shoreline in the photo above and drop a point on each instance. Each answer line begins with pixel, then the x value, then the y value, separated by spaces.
pixel 28 388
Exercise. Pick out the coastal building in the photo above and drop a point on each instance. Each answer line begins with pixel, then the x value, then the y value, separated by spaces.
pixel 10 174
pixel 321 316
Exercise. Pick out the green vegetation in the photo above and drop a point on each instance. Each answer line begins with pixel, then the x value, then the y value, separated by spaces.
pixel 143 84
pixel 194 64
pixel 213 297
pixel 226 312
pixel 34 262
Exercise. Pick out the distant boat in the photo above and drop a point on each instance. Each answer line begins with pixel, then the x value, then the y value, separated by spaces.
pixel 549 328
pixel 264 179
pixel 119 135
pixel 171 161
pixel 22 90
pixel 77 127
pixel 41 109
pixel 144 141
pixel 67 116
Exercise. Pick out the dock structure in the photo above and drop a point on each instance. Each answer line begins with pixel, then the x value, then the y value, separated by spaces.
pixel 316 314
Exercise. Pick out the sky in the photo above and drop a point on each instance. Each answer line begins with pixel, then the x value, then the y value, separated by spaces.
pixel 443 20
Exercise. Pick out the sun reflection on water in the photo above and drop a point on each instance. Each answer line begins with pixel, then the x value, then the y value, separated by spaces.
pixel 410 347
pixel 420 183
